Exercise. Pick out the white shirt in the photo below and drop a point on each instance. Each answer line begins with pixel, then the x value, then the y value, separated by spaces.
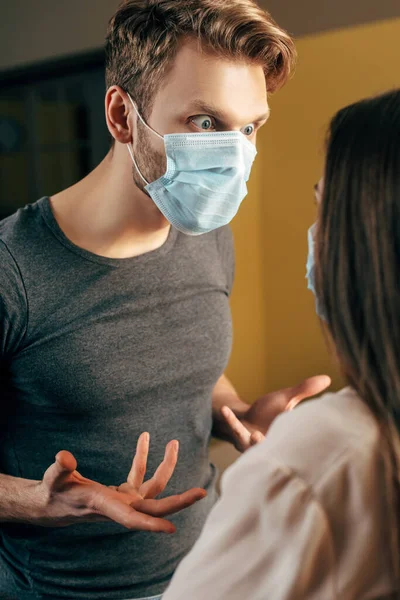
pixel 302 515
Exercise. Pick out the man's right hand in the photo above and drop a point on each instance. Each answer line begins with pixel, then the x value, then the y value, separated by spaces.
pixel 66 497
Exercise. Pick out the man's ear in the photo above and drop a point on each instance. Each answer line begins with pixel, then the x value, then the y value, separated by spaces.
pixel 118 109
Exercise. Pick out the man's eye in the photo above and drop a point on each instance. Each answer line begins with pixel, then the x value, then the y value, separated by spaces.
pixel 248 130
pixel 204 122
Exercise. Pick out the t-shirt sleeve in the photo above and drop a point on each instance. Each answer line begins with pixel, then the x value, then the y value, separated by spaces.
pixel 13 305
pixel 226 251
pixel 267 537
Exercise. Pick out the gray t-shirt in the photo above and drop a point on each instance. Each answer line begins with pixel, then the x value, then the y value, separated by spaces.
pixel 93 351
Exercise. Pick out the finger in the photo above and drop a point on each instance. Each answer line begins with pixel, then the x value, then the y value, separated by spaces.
pixel 241 435
pixel 65 464
pixel 107 504
pixel 308 388
pixel 292 404
pixel 256 438
pixel 139 464
pixel 157 484
pixel 170 505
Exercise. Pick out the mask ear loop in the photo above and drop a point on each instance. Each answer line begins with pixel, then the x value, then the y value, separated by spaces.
pixel 136 165
pixel 142 120
pixel 130 150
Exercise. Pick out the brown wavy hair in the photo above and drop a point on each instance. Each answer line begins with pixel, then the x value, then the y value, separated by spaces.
pixel 358 268
pixel 144 37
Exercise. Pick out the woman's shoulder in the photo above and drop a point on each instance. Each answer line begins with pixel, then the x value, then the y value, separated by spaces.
pixel 320 438
pixel 313 490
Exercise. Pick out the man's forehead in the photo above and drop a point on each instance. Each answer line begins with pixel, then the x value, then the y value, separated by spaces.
pixel 201 80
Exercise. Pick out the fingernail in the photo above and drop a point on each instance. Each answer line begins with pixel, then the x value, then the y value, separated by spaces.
pixel 292 404
pixel 170 530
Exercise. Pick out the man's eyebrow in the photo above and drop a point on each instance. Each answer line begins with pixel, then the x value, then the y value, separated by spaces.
pixel 263 117
pixel 204 108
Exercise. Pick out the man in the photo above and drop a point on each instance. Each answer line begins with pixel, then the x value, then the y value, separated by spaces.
pixel 114 323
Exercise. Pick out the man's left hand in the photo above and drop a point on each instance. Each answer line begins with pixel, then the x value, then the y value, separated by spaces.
pixel 251 428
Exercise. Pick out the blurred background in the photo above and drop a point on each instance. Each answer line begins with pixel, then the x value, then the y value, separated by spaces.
pixel 52 132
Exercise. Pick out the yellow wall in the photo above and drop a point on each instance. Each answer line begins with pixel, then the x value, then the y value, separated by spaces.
pixel 278 340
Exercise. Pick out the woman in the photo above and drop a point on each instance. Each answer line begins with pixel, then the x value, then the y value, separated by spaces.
pixel 313 511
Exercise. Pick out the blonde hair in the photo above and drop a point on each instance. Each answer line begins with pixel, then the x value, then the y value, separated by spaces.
pixel 144 37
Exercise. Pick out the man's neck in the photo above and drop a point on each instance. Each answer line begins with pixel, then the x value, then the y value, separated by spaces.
pixel 108 215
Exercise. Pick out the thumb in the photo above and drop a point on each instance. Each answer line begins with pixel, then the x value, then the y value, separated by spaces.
pixel 308 388
pixel 65 464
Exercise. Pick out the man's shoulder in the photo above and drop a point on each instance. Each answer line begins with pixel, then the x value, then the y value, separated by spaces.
pixel 9 229
pixel 13 301
pixel 20 238
pixel 7 226
pixel 14 228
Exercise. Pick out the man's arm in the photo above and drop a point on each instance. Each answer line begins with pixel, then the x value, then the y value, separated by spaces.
pixel 64 497
pixel 19 500
pixel 224 394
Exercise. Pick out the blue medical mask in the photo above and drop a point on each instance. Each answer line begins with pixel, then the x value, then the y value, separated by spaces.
pixel 310 275
pixel 205 181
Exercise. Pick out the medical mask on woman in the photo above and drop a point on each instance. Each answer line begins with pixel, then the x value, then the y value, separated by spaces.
pixel 310 275
pixel 205 181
